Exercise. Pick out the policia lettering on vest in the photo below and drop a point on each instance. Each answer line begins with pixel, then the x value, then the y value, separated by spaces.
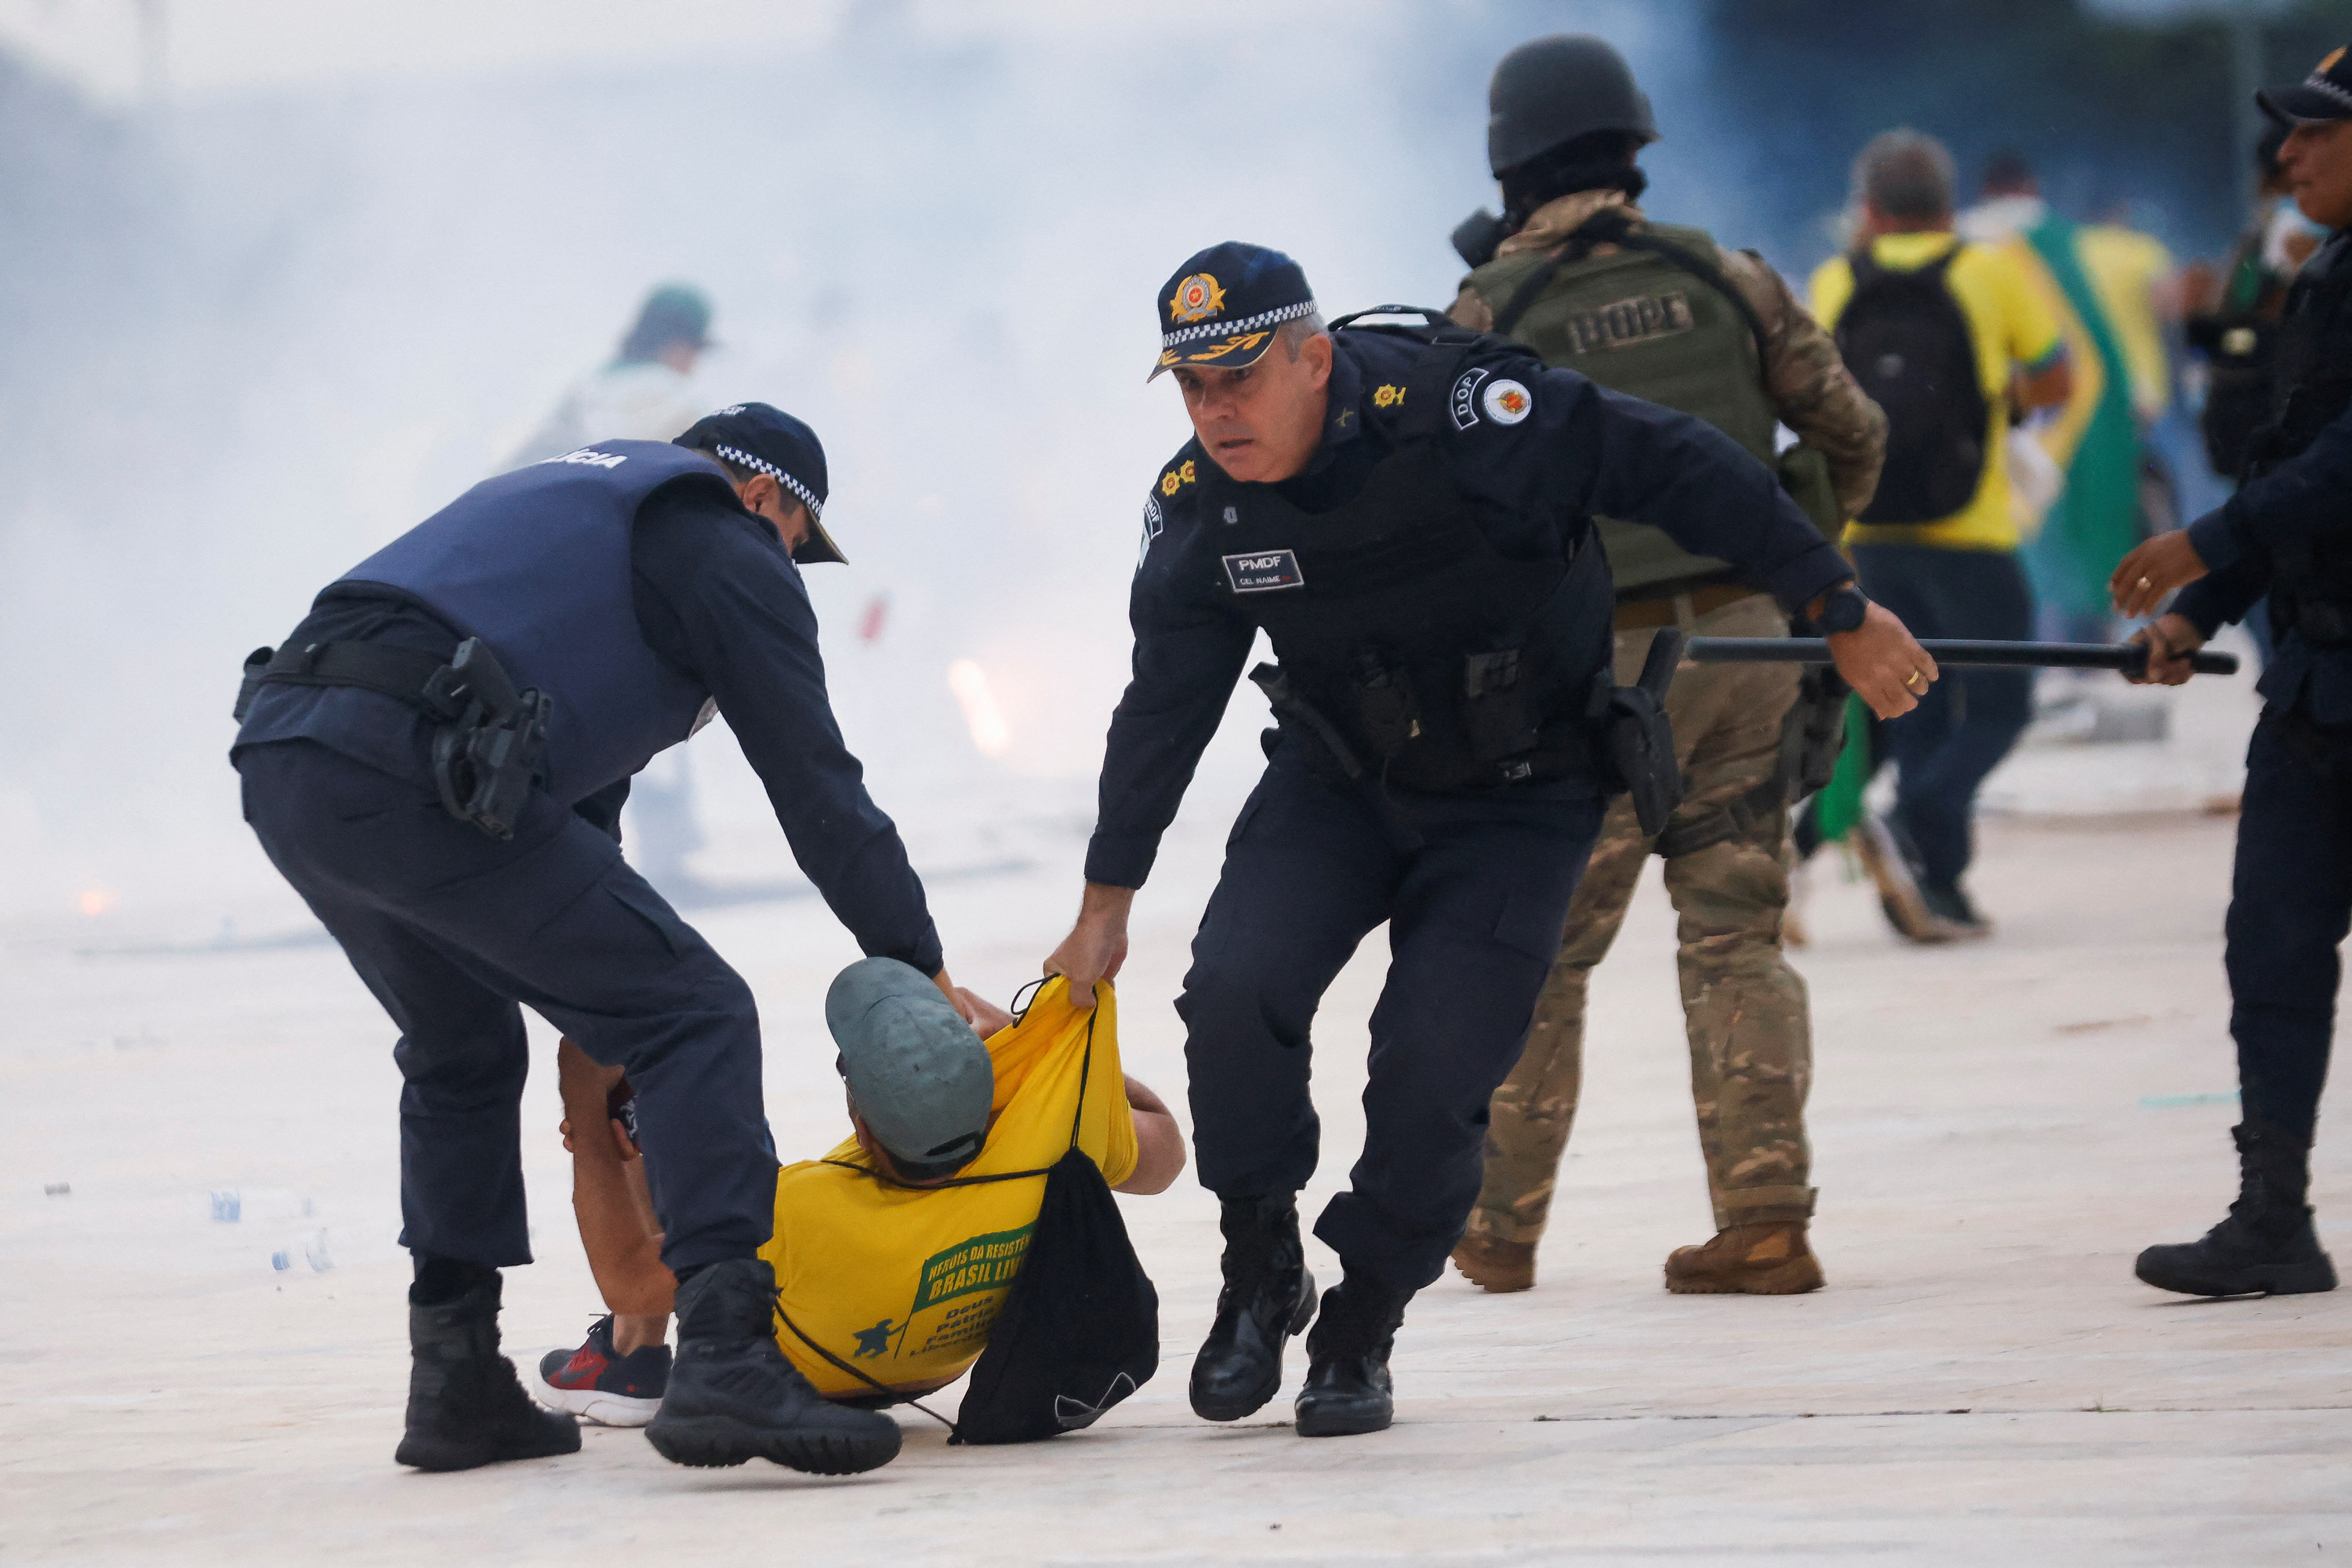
pixel 2286 537
pixel 1577 273
pixel 1426 567
pixel 436 760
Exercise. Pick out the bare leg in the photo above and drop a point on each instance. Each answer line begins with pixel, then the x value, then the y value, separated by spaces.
pixel 618 1227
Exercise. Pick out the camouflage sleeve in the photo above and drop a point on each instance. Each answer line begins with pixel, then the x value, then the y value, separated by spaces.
pixel 1471 309
pixel 1809 386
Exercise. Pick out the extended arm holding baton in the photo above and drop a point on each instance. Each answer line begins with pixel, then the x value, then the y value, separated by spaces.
pixel 2128 657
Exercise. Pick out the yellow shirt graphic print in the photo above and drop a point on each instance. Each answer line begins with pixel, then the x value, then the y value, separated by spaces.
pixel 904 1283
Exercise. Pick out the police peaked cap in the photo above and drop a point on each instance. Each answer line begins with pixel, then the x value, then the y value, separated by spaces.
pixel 1220 308
pixel 767 440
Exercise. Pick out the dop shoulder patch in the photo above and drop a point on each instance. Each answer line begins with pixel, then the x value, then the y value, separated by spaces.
pixel 1461 402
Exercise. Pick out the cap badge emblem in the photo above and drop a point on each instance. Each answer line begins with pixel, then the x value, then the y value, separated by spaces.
pixel 1196 298
pixel 1506 402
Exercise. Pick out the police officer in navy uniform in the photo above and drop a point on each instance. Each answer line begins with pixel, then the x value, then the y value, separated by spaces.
pixel 2284 538
pixel 1407 513
pixel 436 760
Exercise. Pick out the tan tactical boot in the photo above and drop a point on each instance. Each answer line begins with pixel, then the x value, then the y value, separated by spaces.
pixel 1500 1267
pixel 1746 1261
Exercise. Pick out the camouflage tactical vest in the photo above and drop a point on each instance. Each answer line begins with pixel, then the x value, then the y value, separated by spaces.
pixel 1636 322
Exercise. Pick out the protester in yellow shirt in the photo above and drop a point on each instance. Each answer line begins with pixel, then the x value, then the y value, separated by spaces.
pixel 896 1249
pixel 1953 575
pixel 2021 360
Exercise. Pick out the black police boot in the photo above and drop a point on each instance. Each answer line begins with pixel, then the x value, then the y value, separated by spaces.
pixel 464 1407
pixel 1268 1297
pixel 2265 1246
pixel 732 1395
pixel 1347 1389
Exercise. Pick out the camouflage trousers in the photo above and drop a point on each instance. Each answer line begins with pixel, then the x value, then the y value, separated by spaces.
pixel 1744 1008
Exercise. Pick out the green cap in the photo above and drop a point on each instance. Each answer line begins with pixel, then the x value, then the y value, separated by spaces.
pixel 922 1080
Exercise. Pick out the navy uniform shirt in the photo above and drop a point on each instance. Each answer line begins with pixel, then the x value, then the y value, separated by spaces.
pixel 2306 498
pixel 1580 450
pixel 717 597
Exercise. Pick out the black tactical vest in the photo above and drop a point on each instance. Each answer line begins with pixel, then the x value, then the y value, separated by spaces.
pixel 1438 662
pixel 2311 586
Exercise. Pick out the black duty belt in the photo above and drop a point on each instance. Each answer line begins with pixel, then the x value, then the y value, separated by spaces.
pixel 487 740
pixel 402 674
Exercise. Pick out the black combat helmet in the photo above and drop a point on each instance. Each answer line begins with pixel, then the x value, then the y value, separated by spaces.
pixel 1550 91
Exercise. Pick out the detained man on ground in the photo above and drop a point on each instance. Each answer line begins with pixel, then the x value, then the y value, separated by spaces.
pixel 893 1252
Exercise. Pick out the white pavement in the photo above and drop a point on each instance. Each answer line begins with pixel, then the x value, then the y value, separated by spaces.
pixel 1998 1128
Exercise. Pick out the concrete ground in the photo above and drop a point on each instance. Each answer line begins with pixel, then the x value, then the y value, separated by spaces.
pixel 1998 1127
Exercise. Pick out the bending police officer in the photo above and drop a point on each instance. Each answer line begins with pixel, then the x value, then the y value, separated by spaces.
pixel 2286 537
pixel 1665 313
pixel 437 760
pixel 1406 513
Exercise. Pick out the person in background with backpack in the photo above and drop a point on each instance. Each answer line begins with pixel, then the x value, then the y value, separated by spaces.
pixel 1666 313
pixel 1952 340
pixel 895 1252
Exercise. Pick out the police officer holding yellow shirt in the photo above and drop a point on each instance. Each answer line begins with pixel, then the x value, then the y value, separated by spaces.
pixel 1407 512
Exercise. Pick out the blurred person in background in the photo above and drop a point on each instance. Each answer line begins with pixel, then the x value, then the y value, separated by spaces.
pixel 2285 535
pixel 1405 511
pixel 647 393
pixel 436 761
pixel 2095 436
pixel 1950 337
pixel 2232 321
pixel 1666 313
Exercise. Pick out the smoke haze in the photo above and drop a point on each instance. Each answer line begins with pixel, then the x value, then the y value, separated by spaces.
pixel 252 335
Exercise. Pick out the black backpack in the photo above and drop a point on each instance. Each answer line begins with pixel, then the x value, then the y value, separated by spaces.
pixel 1905 339
pixel 1079 1330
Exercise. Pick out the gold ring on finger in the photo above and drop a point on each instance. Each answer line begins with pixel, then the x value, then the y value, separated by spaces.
pixel 2145 584
pixel 1916 676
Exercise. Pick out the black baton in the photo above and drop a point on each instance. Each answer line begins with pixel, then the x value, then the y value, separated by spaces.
pixel 1963 652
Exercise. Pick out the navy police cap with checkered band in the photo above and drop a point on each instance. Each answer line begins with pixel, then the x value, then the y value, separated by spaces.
pixel 1221 308
pixel 767 440
pixel 2325 94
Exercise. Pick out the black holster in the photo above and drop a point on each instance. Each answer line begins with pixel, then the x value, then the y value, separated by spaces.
pixel 485 760
pixel 1638 739
pixel 1325 751
pixel 488 741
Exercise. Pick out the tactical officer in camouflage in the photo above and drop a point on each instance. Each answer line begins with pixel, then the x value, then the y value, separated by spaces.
pixel 1575 271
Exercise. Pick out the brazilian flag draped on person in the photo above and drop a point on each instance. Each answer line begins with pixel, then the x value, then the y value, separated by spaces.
pixel 2094 522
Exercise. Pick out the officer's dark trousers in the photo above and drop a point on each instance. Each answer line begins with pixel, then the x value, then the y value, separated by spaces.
pixel 1966 722
pixel 452 929
pixel 1476 892
pixel 2290 907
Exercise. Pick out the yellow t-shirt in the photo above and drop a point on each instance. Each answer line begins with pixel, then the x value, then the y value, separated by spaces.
pixel 905 1283
pixel 2011 324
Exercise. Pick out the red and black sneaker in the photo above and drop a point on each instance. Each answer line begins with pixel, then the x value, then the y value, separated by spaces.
pixel 598 1384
